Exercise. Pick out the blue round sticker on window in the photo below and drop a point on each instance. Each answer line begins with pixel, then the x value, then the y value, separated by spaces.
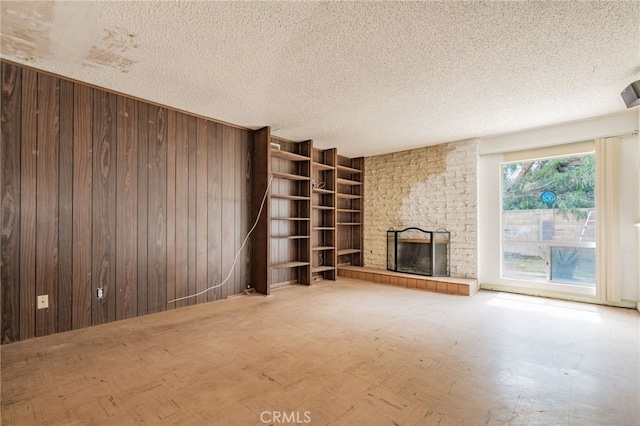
pixel 548 197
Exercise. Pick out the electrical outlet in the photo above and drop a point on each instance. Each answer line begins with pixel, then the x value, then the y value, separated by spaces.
pixel 100 293
pixel 43 301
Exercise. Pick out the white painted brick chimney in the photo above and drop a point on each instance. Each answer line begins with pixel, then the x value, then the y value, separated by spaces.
pixel 432 187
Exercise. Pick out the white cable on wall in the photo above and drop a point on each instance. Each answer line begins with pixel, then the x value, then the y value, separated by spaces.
pixel 235 260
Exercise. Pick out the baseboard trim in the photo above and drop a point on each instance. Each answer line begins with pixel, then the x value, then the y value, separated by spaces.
pixel 629 304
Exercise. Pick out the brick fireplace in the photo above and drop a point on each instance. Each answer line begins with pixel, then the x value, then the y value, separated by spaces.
pixel 429 188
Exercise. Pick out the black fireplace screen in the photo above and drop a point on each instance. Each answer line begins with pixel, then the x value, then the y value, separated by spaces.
pixel 416 251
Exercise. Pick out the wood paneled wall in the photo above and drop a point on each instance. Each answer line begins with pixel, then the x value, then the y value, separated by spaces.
pixel 102 191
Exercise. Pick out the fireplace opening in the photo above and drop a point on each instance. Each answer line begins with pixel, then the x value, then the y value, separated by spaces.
pixel 417 251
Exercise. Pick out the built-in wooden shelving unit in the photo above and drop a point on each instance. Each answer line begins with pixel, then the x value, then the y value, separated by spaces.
pixel 312 220
pixel 290 209
pixel 349 210
pixel 323 214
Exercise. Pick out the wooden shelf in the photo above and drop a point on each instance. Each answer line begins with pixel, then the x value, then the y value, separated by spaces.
pixel 290 197
pixel 323 208
pixel 321 166
pixel 322 248
pixel 289 176
pixel 348 196
pixel 289 265
pixel 288 155
pixel 348 182
pixel 348 251
pixel 322 268
pixel 348 169
pixel 289 226
pixel 323 191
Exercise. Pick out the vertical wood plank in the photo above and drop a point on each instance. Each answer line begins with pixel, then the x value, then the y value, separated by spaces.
pixel 104 206
pixel 47 202
pixel 181 204
pixel 192 142
pixel 228 209
pixel 214 153
pixel 246 220
pixel 28 184
pixel 201 206
pixel 157 208
pixel 127 208
pixel 82 204
pixel 10 123
pixel 260 242
pixel 143 214
pixel 65 200
pixel 238 200
pixel 173 191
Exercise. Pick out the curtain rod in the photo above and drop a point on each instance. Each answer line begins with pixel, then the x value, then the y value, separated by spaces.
pixel 504 151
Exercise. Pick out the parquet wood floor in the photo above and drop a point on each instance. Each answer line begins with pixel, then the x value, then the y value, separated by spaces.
pixel 343 353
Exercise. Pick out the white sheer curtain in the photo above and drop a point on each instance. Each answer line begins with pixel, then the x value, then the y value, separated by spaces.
pixel 608 266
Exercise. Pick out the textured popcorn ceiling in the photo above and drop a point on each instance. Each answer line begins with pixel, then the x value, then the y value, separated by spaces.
pixel 366 77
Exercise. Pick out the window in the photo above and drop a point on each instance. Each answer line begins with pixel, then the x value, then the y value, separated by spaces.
pixel 548 220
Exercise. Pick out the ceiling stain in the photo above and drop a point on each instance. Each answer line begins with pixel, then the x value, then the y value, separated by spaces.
pixel 29 34
pixel 25 29
pixel 112 48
